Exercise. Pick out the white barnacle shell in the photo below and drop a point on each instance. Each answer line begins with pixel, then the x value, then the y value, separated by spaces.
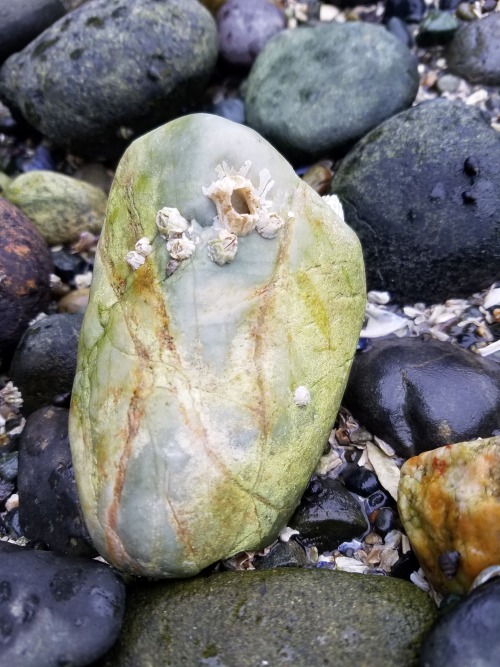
pixel 134 259
pixel 181 248
pixel 334 203
pixel 236 200
pixel 170 223
pixel 143 247
pixel 223 248
pixel 268 224
pixel 302 396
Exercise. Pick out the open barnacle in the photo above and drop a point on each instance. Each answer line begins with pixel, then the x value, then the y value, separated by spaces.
pixel 223 248
pixel 268 224
pixel 170 223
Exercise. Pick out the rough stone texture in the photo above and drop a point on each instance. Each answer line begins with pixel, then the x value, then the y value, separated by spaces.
pixel 449 500
pixel 315 91
pixel 474 53
pixel 56 610
pixel 183 404
pixel 423 193
pixel 468 633
pixel 110 70
pixel 328 515
pixel 44 363
pixel 418 395
pixel 23 20
pixel 61 207
pixel 26 264
pixel 245 26
pixel 296 616
pixel 49 509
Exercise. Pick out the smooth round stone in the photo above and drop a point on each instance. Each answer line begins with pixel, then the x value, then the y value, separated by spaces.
pixel 44 363
pixel 410 11
pixel 56 610
pixel 232 108
pixel 474 53
pixel 448 83
pixel 418 395
pixel 437 28
pixel 429 227
pixel 25 267
pixel 328 515
pixel 468 633
pixel 315 91
pixel 74 302
pixel 117 69
pixel 23 20
pixel 245 27
pixel 60 206
pixel 287 616
pixel 49 509
pixel 359 480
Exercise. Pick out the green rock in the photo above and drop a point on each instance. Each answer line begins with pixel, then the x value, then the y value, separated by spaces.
pixel 61 207
pixel 188 445
pixel 289 616
pixel 111 70
pixel 315 91
pixel 4 181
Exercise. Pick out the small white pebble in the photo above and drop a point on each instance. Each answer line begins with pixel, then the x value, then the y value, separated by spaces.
pixel 12 503
pixel 302 396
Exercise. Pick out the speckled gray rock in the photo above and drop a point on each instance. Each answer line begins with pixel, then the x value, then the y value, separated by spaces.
pixel 56 610
pixel 468 633
pixel 112 69
pixel 316 90
pixel 44 363
pixel 23 20
pixel 49 509
pixel 61 207
pixel 474 53
pixel 423 193
pixel 277 617
pixel 418 395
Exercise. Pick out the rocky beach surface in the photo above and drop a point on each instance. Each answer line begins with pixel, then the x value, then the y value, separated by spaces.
pixel 390 113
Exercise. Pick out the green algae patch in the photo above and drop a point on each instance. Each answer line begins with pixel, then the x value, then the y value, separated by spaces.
pixel 205 391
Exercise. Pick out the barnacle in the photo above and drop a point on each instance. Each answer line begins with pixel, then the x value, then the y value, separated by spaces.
pixel 223 248
pixel 181 248
pixel 170 222
pixel 268 224
pixel 302 396
pixel 137 257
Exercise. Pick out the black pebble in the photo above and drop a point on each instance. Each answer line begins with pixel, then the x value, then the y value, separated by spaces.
pixel 386 520
pixel 359 480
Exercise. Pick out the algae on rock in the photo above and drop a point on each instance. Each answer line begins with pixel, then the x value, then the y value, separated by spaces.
pixel 188 445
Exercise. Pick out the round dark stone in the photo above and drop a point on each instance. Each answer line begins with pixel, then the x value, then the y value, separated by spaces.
pixel 48 500
pixel 375 501
pixel 360 480
pixel 418 395
pixel 429 230
pixel 386 520
pixel 44 363
pixel 282 554
pixel 474 53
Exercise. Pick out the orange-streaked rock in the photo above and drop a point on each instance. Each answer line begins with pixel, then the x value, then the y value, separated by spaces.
pixel 449 500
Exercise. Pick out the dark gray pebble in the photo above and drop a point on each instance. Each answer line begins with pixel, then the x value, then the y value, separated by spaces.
pixel 56 611
pixel 418 395
pixel 49 508
pixel 474 53
pixel 44 363
pixel 328 515
pixel 282 554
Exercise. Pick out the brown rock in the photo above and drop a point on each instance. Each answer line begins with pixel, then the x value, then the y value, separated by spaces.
pixel 25 267
pixel 74 302
pixel 449 502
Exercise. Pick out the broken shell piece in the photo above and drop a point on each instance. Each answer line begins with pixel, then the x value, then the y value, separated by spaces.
pixel 302 396
pixel 223 248
pixel 236 200
pixel 181 248
pixel 171 223
pixel 268 224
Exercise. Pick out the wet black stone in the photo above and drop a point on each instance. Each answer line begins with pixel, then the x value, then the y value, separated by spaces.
pixel 56 610
pixel 468 633
pixel 23 20
pixel 411 11
pixel 282 554
pixel 48 500
pixel 418 395
pixel 439 240
pixel 386 520
pixel 328 515
pixel 44 362
pixel 359 480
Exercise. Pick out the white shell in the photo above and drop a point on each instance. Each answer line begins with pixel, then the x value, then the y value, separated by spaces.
pixel 268 224
pixel 302 396
pixel 143 247
pixel 170 222
pixel 181 248
pixel 223 248
pixel 134 259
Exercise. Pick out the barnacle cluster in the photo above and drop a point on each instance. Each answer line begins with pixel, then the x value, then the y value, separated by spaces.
pixel 175 229
pixel 137 257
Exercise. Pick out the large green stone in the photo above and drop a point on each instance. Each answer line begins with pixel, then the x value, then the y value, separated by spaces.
pixel 187 443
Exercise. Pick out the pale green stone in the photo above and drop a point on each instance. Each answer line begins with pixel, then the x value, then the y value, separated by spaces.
pixel 61 207
pixel 187 444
